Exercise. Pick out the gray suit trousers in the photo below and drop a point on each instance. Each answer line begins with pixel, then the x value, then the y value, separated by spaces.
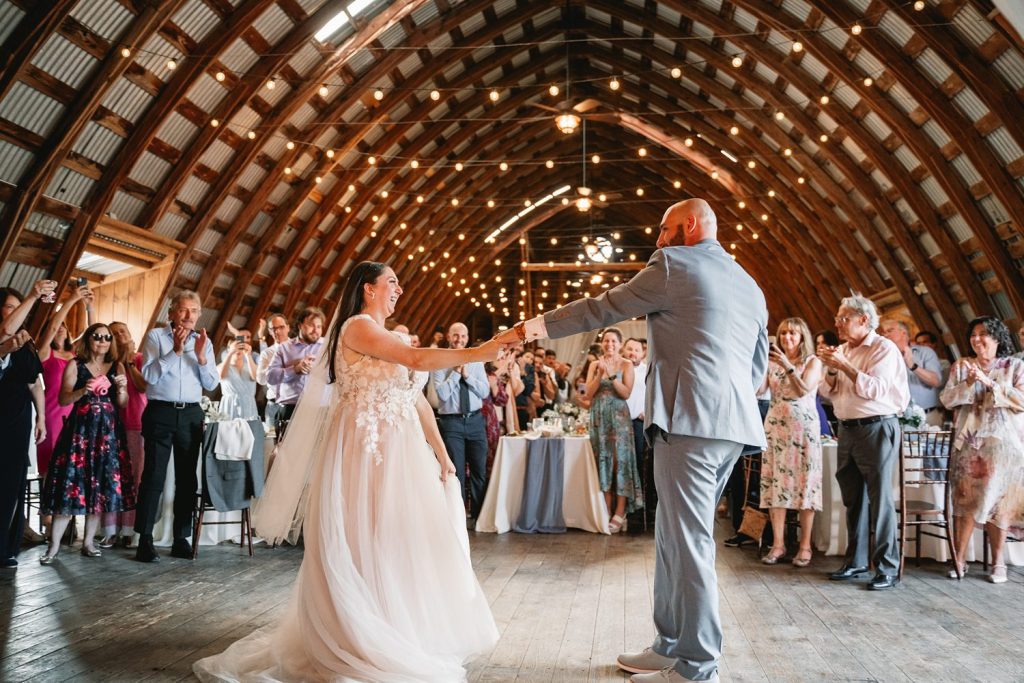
pixel 865 462
pixel 690 474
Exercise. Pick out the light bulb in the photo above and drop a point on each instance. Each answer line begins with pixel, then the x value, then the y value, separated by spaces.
pixel 125 52
pixel 614 84
pixel 549 164
pixel 824 99
pixel 856 29
pixel 435 95
pixel 271 85
pixel 676 72
pixel 378 94
pixel 595 159
pixel 414 163
pixel 171 64
pixel 220 76
pixel 503 166
pixel 323 91
pixel 798 46
pixel 458 166
pixel 737 61
pixel 553 91
pixel 494 96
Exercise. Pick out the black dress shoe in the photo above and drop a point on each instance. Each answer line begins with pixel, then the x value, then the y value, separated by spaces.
pixel 882 582
pixel 846 573
pixel 146 552
pixel 181 549
pixel 739 540
pixel 10 563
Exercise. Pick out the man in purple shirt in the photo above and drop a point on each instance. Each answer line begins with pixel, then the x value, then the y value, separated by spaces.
pixel 293 361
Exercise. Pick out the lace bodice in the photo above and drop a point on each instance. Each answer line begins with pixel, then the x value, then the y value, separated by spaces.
pixel 382 393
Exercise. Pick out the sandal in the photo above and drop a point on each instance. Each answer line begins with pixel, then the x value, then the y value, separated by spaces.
pixel 46 559
pixel 773 556
pixel 998 574
pixel 108 542
pixel 803 558
pixel 617 524
pixel 91 552
pixel 952 572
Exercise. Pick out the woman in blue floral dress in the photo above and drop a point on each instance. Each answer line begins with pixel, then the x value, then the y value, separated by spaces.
pixel 90 471
pixel 609 381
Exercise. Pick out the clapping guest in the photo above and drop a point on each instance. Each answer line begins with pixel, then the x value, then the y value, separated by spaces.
pixel 924 372
pixel 19 391
pixel 526 410
pixel 90 471
pixel 237 372
pixel 609 383
pixel 986 391
pixel 495 401
pixel 791 464
pixel 131 417
pixel 176 368
pixel 292 362
pixel 826 414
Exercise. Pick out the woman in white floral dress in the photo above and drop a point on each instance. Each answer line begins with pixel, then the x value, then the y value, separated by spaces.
pixel 986 390
pixel 791 464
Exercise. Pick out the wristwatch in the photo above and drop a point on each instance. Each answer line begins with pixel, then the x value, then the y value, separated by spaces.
pixel 913 367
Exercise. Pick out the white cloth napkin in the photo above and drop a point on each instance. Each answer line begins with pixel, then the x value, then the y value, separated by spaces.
pixel 234 440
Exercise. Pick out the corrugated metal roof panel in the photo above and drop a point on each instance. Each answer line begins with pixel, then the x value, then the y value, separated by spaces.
pixel 1004 145
pixel 193 191
pixel 127 99
pixel 100 264
pixel 361 61
pixel 1010 66
pixel 69 187
pixel 239 57
pixel 797 9
pixel 966 170
pixel 972 25
pixel 217 155
pixel 46 224
pixel 31 109
pixel 170 225
pixel 897 30
pixel 393 36
pixel 229 209
pixel 868 63
pixel 272 97
pixel 97 143
pixel 126 207
pixel 905 157
pixel 209 241
pixel 763 71
pixel 993 209
pixel 177 131
pixel 306 58
pixel 206 93
pixel 933 66
pixel 425 13
pixel 958 226
pixel 10 15
pixel 251 177
pixel 876 126
pixel 815 68
pixel 935 132
pixel 65 61
pixel 269 266
pixel 311 6
pixel 833 34
pixel 846 95
pixel 273 24
pixel 969 103
pixel 278 194
pixel 191 271
pixel 20 277
pixel 240 254
pixel 934 191
pixel 196 19
pixel 150 170
pixel 1002 305
pixel 14 161
pixel 903 100
pixel 306 209
pixel 154 55
pixel 854 150
pixel 259 224
pixel 107 18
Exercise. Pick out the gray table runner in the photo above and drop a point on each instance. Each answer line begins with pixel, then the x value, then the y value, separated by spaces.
pixel 543 486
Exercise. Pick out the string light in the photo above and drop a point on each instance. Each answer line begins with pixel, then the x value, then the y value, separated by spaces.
pixel 869 81
pixel 214 122
pixel 801 180
pixel 823 138
pixel 220 76
pixel 271 85
pixel 384 194
pixel 329 153
pixel 287 170
pixel 639 192
pixel 919 5
pixel 751 164
pixel 553 91
pixel 490 205
pixel 856 29
pixel 378 94
pixel 455 201
pixel 549 164
pixel 742 205
pixel 372 161
pixel 171 65
pixel 779 116
pixel 787 152
pixel 642 151
pixel 125 52
pixel 458 166
pixel 676 72
pixel 414 163
pixel 251 135
pixel 596 159
pixel 677 184
pixel 737 61
pixel 714 175
pixel 323 90
pixel 494 96
pixel 503 166
pixel 798 46
pixel 688 142
pixel 614 84
pixel 318 180
pixel 435 95
pixel 289 145
pixel 602 197
pixel 824 99
pixel 734 130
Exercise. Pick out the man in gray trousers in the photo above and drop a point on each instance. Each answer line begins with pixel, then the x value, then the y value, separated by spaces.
pixel 708 353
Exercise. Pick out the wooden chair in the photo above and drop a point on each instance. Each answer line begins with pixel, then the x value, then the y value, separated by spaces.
pixel 204 505
pixel 924 463
pixel 32 498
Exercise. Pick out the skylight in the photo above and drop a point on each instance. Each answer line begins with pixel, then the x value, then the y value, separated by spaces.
pixel 339 20
pixel 516 216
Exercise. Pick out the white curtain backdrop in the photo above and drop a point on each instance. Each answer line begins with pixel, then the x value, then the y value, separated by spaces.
pixel 573 350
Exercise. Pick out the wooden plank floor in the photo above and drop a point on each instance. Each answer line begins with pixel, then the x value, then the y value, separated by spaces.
pixel 565 606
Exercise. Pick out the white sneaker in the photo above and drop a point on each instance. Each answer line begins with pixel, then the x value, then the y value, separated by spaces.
pixel 667 675
pixel 644 662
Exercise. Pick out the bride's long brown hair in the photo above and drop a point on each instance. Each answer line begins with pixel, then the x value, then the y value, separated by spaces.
pixel 365 273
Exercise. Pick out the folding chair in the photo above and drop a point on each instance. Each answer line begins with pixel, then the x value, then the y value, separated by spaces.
pixel 924 466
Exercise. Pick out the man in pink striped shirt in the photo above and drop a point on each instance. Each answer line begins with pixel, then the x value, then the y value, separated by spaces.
pixel 867 383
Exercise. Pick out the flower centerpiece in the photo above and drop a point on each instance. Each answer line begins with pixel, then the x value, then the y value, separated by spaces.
pixel 913 416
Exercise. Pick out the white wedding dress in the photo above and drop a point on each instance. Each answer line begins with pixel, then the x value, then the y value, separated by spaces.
pixel 386 590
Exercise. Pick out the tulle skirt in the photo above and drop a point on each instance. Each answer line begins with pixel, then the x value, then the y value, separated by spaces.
pixel 386 590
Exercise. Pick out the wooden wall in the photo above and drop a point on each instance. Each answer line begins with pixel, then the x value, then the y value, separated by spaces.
pixel 131 300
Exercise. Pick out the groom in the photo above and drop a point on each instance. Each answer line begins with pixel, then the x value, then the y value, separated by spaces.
pixel 706 322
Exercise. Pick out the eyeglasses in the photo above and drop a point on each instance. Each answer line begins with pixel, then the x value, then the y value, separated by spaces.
pixel 844 318
pixel 275 328
pixel 101 337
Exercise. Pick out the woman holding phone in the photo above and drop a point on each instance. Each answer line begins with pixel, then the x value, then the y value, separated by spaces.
pixel 791 464
pixel 238 379
pixel 90 472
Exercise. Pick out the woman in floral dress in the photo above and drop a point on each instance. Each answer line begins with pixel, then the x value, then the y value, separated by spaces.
pixel 609 381
pixel 791 464
pixel 90 471
pixel 986 391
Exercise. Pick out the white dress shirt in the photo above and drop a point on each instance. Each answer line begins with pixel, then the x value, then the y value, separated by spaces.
pixel 638 394
pixel 880 387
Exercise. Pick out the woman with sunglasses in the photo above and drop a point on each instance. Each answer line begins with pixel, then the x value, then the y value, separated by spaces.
pixel 90 472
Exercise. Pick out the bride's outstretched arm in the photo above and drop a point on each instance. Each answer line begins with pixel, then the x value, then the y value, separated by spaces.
pixel 370 339
pixel 430 431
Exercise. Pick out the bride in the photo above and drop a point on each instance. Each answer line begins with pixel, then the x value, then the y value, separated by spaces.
pixel 386 591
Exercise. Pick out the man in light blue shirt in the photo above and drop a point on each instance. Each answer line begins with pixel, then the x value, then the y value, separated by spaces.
pixel 924 371
pixel 177 365
pixel 460 394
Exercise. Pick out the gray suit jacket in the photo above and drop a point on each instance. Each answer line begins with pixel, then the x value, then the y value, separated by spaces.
pixel 707 340
pixel 230 484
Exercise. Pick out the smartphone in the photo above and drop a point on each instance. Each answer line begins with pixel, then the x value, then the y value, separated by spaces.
pixel 239 338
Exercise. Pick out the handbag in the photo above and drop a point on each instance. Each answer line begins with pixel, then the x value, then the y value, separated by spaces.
pixel 753 522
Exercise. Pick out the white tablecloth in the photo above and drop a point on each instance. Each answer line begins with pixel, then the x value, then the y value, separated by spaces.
pixel 829 532
pixel 582 501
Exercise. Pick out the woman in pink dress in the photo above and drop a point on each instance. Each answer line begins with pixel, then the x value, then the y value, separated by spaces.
pixel 55 351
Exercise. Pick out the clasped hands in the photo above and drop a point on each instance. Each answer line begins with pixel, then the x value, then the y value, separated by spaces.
pixel 180 335
pixel 833 357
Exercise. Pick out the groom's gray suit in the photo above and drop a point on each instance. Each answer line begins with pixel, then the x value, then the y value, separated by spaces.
pixel 708 353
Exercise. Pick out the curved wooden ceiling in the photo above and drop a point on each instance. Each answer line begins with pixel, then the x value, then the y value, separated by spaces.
pixel 884 156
